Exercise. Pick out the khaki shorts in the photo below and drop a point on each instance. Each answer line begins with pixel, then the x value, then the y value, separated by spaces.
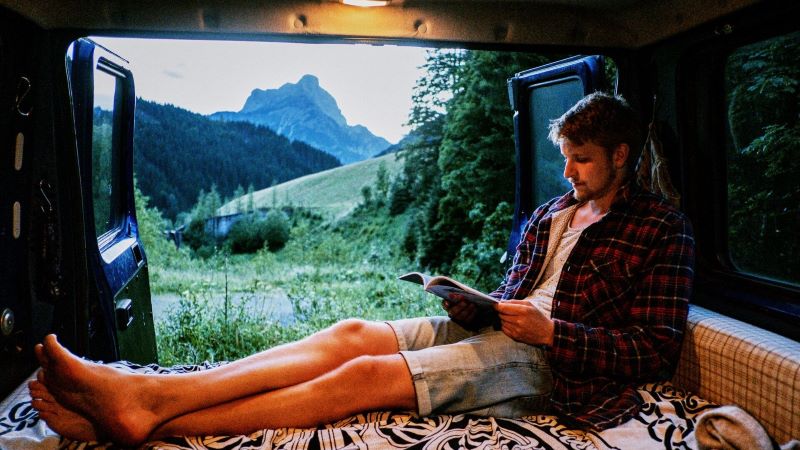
pixel 484 373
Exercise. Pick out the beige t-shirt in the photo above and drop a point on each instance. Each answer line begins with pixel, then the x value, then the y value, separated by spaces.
pixel 562 240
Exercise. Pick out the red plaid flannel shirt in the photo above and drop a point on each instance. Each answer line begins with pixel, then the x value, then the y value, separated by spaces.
pixel 620 305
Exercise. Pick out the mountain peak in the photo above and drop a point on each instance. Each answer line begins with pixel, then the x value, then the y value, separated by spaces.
pixel 306 112
pixel 306 91
pixel 309 81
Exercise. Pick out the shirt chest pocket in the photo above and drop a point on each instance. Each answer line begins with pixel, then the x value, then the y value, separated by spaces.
pixel 607 292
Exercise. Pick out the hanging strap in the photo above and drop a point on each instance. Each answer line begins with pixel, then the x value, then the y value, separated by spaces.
pixel 652 172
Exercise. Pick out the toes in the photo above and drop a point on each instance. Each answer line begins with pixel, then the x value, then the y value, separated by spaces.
pixel 35 387
pixel 38 390
pixel 43 406
pixel 50 346
pixel 55 354
pixel 38 350
pixel 46 395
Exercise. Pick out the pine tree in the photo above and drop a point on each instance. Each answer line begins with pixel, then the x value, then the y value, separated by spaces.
pixel 476 155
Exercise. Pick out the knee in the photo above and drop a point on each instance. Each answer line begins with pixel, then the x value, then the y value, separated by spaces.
pixel 365 366
pixel 354 337
pixel 384 379
pixel 351 333
pixel 352 330
pixel 351 326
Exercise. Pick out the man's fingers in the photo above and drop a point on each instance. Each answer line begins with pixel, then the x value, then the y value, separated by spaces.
pixel 515 302
pixel 512 309
pixel 462 311
pixel 452 300
pixel 459 305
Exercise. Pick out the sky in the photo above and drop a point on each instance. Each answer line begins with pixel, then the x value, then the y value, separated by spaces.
pixel 371 84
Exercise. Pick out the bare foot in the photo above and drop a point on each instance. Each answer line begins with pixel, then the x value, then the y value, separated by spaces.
pixel 63 421
pixel 114 400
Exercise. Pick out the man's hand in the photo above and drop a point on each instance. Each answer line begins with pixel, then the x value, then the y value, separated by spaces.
pixel 460 311
pixel 522 321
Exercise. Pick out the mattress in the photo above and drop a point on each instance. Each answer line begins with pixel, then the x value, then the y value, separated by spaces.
pixel 666 421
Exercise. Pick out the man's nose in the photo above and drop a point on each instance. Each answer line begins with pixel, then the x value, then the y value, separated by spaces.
pixel 569 169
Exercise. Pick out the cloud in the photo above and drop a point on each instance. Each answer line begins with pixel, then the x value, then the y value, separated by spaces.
pixel 172 74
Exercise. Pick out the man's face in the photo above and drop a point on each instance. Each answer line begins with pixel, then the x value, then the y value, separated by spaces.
pixel 593 171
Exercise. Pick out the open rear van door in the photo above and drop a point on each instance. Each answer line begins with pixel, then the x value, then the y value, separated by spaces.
pixel 537 96
pixel 120 317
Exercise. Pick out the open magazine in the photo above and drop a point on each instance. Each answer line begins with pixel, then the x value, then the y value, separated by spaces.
pixel 444 286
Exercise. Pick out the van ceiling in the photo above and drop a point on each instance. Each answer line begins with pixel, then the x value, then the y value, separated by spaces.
pixel 572 23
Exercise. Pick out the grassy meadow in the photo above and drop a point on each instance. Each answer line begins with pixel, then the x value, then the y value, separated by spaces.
pixel 228 306
pixel 332 193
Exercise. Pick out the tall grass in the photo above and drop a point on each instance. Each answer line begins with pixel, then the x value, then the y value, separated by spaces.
pixel 327 272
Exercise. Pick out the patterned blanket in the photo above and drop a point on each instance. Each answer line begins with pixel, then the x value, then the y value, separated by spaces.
pixel 666 421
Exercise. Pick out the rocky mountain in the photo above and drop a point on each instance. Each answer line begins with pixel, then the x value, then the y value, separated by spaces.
pixel 306 112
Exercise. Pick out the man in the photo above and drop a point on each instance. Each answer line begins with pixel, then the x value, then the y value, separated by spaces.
pixel 594 304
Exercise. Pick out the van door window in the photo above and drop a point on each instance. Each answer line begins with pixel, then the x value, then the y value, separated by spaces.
pixel 105 154
pixel 537 96
pixel 762 81
pixel 549 101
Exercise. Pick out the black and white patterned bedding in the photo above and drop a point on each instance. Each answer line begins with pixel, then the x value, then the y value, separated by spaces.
pixel 666 421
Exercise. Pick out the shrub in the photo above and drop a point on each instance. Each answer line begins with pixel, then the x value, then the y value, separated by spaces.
pixel 276 229
pixel 195 235
pixel 399 196
pixel 151 228
pixel 246 236
pixel 252 233
pixel 479 260
pixel 366 194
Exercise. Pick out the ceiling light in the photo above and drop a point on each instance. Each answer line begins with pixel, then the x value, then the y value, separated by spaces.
pixel 366 3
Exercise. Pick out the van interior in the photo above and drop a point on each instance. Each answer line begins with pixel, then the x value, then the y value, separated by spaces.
pixel 707 76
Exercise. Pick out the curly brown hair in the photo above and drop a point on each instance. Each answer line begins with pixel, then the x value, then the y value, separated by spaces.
pixel 602 119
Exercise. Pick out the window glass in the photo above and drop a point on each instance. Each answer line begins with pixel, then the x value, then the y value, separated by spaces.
pixel 548 101
pixel 104 152
pixel 763 151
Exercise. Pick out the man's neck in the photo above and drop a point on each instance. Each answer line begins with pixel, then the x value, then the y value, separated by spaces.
pixel 599 207
pixel 586 214
pixel 594 210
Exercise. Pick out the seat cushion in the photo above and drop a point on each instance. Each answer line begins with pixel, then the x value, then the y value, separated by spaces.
pixel 730 362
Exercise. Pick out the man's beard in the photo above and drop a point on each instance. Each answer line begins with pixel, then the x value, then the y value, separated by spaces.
pixel 594 194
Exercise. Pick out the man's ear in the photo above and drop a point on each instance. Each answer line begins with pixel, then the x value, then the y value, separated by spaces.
pixel 620 155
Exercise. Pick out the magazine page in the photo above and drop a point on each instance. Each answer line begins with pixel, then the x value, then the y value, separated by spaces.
pixel 415 277
pixel 444 286
pixel 478 298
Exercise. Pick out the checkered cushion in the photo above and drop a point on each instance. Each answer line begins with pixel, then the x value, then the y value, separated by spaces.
pixel 727 361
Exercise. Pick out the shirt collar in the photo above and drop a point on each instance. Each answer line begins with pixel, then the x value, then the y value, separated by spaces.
pixel 624 195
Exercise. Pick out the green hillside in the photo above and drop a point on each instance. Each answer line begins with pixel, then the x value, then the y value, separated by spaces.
pixel 178 153
pixel 334 192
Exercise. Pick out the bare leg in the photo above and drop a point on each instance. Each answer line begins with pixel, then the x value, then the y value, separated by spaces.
pixel 363 384
pixel 60 419
pixel 129 406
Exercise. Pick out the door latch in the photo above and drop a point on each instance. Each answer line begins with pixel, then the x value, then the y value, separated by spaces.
pixel 124 311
